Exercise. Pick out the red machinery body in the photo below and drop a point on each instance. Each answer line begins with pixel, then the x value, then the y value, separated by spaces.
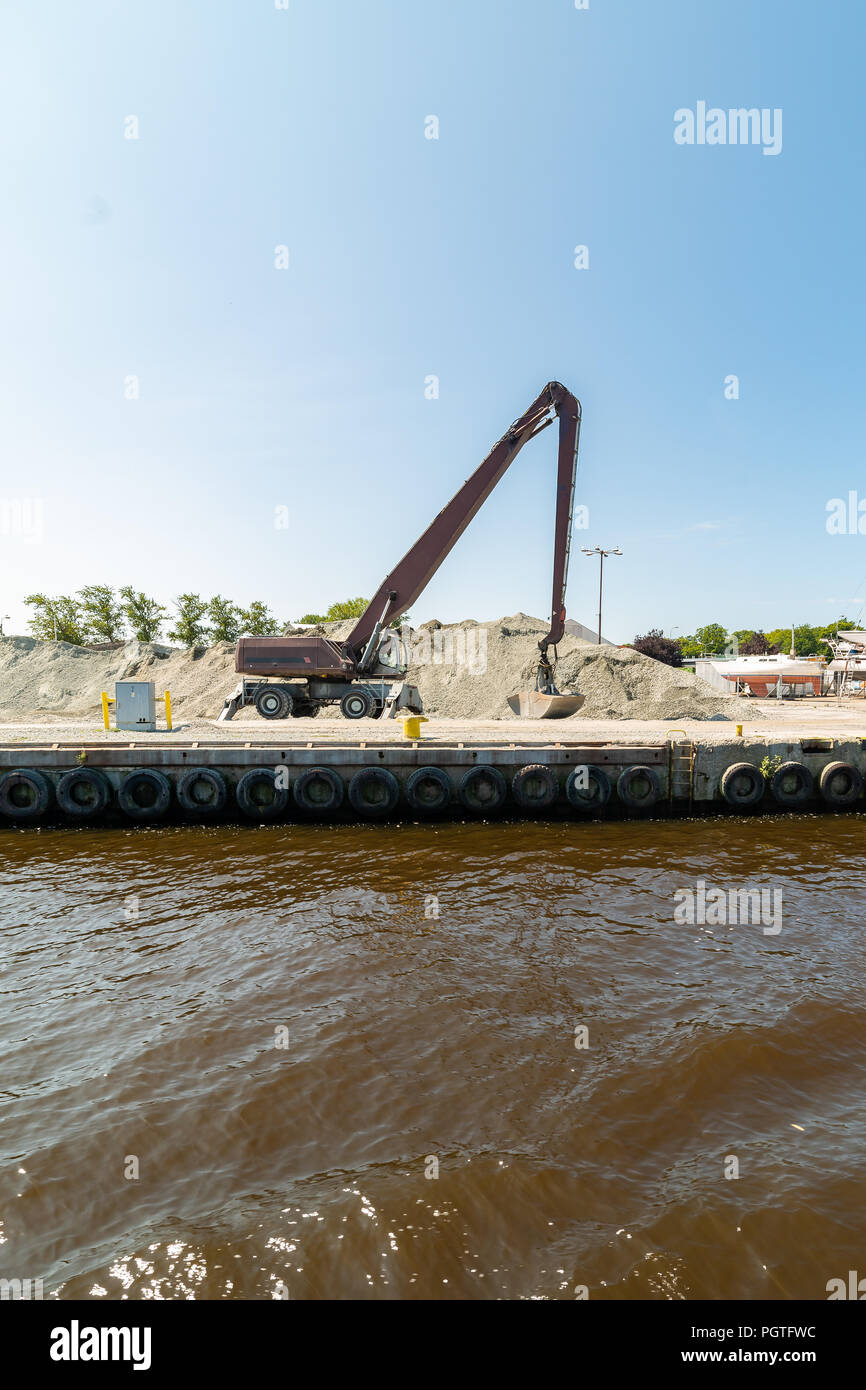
pixel 293 658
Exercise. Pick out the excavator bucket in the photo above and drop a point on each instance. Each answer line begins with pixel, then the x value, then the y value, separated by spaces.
pixel 534 704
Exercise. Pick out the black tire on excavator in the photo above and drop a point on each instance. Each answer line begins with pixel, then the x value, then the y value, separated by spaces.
pixel 273 702
pixel 356 704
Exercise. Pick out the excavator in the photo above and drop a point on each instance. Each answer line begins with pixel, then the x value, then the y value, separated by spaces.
pixel 363 673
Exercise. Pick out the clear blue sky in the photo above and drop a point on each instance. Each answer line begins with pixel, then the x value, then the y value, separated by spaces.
pixel 304 387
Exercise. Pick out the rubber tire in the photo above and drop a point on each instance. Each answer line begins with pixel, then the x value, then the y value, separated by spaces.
pixel 40 790
pixel 311 776
pixel 595 796
pixel 625 784
pixel 360 698
pixel 840 801
pixel 276 696
pixel 484 775
pixel 734 774
pixel 364 781
pixel 145 777
pixel 434 779
pixel 529 777
pixel 210 776
pixel 803 791
pixel 245 794
pixel 100 789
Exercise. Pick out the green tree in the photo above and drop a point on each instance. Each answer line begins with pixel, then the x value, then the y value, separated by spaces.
pixel 349 608
pixel 258 620
pixel 807 641
pixel 840 625
pixel 780 638
pixel 713 639
pixel 225 618
pixel 101 613
pixel 144 615
pixel 338 612
pixel 189 630
pixel 690 647
pixel 58 618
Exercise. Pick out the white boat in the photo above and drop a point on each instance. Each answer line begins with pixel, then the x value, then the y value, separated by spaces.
pixel 763 675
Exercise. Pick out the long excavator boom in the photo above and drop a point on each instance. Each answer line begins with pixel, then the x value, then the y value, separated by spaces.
pixel 316 670
pixel 399 589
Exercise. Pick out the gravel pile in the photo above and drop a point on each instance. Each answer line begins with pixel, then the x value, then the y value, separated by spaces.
pixel 468 670
pixel 464 671
pixel 49 679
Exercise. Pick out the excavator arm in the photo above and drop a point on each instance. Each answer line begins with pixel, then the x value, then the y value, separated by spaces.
pixel 399 589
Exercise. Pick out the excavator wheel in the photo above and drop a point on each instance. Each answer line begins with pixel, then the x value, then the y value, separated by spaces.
pixel 356 704
pixel 273 702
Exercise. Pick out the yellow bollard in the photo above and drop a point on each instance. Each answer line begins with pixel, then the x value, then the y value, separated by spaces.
pixel 105 708
pixel 739 731
pixel 412 726
pixel 168 709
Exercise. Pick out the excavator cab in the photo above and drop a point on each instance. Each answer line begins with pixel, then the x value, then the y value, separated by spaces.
pixel 392 655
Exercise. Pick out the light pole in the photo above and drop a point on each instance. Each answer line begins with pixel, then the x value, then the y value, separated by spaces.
pixel 602 555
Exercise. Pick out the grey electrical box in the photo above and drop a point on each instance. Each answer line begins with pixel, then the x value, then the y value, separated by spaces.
pixel 135 705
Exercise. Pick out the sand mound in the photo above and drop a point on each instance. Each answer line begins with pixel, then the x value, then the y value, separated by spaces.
pixel 463 670
pixel 469 669
pixel 55 678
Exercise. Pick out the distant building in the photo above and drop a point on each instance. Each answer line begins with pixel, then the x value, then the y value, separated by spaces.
pixel 585 634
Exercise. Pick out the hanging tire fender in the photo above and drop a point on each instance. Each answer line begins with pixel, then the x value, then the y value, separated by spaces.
pixel 374 792
pixel 144 794
pixel 483 789
pixel 319 790
pixel 742 785
pixel 25 794
pixel 202 791
pixel 792 785
pixel 260 796
pixel 428 790
pixel 639 787
pixel 535 787
pixel 83 792
pixel 841 785
pixel 588 788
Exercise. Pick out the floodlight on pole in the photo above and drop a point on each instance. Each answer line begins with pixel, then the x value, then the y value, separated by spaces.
pixel 602 555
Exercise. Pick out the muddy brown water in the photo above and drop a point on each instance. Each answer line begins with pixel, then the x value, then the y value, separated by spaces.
pixel 235 1059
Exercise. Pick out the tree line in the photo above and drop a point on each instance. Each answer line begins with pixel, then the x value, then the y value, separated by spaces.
pixel 715 640
pixel 99 613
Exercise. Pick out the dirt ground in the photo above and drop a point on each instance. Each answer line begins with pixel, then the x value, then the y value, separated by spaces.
pixel 773 719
